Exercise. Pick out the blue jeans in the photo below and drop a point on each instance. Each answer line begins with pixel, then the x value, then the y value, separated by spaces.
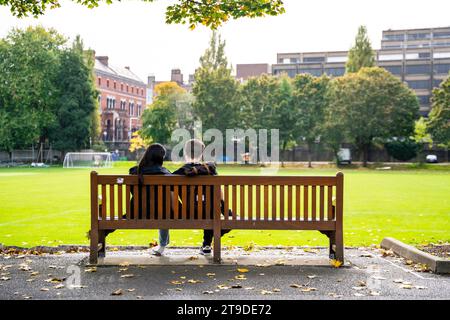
pixel 164 237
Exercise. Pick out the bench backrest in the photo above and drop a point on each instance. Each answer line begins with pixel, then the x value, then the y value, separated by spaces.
pixel 246 198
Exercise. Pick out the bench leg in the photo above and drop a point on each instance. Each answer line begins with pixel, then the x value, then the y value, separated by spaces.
pixel 93 254
pixel 339 241
pixel 102 242
pixel 217 238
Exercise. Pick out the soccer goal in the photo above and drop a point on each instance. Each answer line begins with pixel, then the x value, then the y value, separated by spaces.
pixel 87 160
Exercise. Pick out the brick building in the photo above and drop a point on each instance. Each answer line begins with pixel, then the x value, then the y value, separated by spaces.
pixel 122 100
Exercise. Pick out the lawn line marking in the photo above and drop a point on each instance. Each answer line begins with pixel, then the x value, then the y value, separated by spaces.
pixel 39 217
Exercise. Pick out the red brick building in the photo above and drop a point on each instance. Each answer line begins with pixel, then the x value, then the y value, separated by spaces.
pixel 122 101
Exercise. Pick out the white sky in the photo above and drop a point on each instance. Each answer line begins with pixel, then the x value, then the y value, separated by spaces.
pixel 133 33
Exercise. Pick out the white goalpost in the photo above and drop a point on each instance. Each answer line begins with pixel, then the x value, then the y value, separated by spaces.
pixel 87 160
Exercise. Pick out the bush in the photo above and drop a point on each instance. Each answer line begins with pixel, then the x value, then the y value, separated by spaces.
pixel 402 149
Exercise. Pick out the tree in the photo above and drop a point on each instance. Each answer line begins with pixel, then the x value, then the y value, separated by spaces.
pixel 284 114
pixel 77 102
pixel 439 117
pixel 29 66
pixel 372 103
pixel 160 119
pixel 205 12
pixel 402 149
pixel 361 54
pixel 215 89
pixel 310 103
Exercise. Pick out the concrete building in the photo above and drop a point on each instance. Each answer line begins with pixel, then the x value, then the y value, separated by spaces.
pixel 419 57
pixel 122 100
pixel 245 71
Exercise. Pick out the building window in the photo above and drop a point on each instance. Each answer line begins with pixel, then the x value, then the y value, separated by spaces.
pixel 442 44
pixel 424 100
pixel 127 88
pixel 393 69
pixel 394 37
pixel 131 108
pixel 442 68
pixel 121 87
pixel 99 82
pixel 418 36
pixel 313 59
pixel 438 35
pixel 418 84
pixel 107 83
pixel 437 83
pixel 336 72
pixel 142 92
pixel 115 85
pixel 418 69
pixel 139 110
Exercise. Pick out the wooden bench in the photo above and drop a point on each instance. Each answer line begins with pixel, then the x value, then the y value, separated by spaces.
pixel 256 203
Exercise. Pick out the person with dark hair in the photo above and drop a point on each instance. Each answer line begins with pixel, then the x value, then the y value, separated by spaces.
pixel 151 163
pixel 194 166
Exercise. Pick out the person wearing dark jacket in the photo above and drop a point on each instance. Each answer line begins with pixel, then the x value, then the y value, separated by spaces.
pixel 193 154
pixel 151 163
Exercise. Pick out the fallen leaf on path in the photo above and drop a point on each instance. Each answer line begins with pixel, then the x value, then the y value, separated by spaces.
pixel 265 292
pixel 276 290
pixel 176 282
pixel 193 281
pixel 240 277
pixel 44 289
pixel 93 269
pixel 312 277
pixel 223 287
pixel 294 285
pixel 118 292
pixel 210 274
pixel 5 278
pixel 308 289
pixel 374 293
pixel 336 263
pixel 55 280
pixel 406 286
pixel 59 286
pixel 242 270
pixel 236 286
pixel 208 292
pixel 127 275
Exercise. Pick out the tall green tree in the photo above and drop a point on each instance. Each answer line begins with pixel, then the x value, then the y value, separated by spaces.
pixel 215 89
pixel 161 117
pixel 439 117
pixel 203 12
pixel 361 54
pixel 77 102
pixel 29 65
pixel 372 103
pixel 285 113
pixel 310 104
pixel 257 101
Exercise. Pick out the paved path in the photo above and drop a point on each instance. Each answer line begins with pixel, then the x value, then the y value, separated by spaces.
pixel 272 274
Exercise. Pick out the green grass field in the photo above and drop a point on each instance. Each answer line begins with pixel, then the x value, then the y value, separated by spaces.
pixel 50 206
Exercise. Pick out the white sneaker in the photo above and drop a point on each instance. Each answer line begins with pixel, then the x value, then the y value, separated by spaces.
pixel 206 250
pixel 158 251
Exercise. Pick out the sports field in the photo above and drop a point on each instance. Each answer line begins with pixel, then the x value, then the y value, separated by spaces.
pixel 50 206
